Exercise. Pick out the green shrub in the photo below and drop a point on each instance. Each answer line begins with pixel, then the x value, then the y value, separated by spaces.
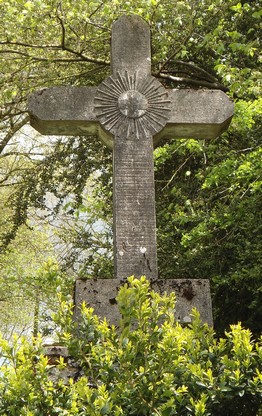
pixel 150 365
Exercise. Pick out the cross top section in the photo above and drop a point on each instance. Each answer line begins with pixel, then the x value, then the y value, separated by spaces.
pixel 130 46
pixel 131 101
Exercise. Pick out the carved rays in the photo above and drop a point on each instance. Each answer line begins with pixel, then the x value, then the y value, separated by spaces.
pixel 147 94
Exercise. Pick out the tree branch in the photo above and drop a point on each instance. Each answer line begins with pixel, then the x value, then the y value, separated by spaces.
pixel 10 173
pixel 12 131
pixel 81 57
pixel 194 82
pixel 30 45
pixel 195 68
pixel 176 52
pixel 176 172
pixel 28 155
pixel 67 49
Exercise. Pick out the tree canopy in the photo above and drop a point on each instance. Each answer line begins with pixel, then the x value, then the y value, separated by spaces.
pixel 208 192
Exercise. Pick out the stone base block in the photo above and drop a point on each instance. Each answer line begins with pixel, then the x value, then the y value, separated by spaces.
pixel 72 370
pixel 190 293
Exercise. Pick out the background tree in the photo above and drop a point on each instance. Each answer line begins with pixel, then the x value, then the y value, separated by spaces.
pixel 30 277
pixel 208 193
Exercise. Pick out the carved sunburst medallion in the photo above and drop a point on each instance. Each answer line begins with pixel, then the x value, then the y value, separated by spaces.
pixel 126 105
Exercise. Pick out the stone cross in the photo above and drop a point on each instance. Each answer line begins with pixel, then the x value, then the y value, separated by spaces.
pixel 131 111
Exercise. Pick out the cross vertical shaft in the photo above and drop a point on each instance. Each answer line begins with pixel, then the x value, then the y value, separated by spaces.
pixel 134 192
pixel 134 208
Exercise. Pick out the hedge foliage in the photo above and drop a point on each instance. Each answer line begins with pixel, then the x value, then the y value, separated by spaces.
pixel 149 365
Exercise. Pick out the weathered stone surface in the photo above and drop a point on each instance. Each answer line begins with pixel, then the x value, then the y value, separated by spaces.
pixel 54 354
pixel 134 208
pixel 71 111
pixel 190 293
pixel 125 105
pixel 202 114
pixel 66 111
pixel 130 46
pixel 63 110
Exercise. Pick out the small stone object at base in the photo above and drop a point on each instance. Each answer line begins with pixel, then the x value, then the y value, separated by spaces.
pixel 54 354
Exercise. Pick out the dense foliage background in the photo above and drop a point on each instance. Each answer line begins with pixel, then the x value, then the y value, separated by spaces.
pixel 55 192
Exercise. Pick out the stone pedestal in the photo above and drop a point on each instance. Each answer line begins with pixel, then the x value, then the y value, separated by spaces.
pixel 190 293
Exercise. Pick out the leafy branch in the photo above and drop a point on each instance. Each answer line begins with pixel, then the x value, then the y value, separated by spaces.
pixel 80 55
